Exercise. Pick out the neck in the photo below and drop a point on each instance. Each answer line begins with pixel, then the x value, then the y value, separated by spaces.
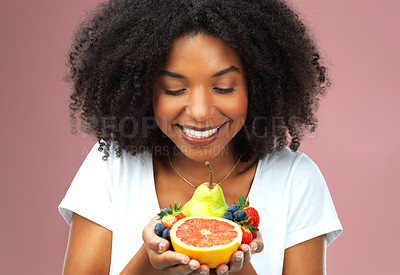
pixel 195 170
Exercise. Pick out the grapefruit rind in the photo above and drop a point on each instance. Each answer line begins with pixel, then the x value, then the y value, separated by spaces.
pixel 211 256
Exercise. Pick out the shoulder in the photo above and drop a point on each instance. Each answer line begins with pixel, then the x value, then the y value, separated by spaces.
pixel 296 174
pixel 288 167
pixel 98 155
pixel 112 170
pixel 286 158
pixel 282 160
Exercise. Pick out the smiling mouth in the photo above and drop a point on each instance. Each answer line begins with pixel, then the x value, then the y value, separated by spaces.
pixel 199 134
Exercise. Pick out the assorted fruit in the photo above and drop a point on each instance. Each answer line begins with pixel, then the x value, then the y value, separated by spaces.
pixel 247 217
pixel 168 217
pixel 206 228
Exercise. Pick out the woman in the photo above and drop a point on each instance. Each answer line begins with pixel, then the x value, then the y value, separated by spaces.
pixel 167 85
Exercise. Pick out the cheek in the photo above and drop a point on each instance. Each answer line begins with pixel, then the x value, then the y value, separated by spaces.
pixel 156 106
pixel 243 106
pixel 160 110
pixel 165 110
pixel 239 106
pixel 241 110
pixel 161 106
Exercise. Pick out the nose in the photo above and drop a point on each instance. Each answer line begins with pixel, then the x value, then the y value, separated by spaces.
pixel 200 104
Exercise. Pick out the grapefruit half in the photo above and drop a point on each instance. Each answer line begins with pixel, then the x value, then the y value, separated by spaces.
pixel 209 240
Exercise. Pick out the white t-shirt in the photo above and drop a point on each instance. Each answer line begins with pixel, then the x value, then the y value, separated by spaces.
pixel 288 191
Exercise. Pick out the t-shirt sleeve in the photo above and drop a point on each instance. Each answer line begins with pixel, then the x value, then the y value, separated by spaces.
pixel 90 193
pixel 311 209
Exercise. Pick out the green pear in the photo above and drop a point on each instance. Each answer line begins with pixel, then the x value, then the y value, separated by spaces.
pixel 207 201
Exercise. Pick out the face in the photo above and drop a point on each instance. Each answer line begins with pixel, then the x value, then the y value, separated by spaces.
pixel 200 97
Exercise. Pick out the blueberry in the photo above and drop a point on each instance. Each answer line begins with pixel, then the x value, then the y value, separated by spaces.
pixel 227 215
pixel 166 233
pixel 166 210
pixel 239 215
pixel 159 229
pixel 233 208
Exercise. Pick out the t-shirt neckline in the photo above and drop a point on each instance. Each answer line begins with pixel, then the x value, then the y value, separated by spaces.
pixel 253 187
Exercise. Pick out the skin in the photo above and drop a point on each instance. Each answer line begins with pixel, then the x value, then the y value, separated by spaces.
pixel 89 248
pixel 199 67
pixel 89 252
pixel 306 258
pixel 202 69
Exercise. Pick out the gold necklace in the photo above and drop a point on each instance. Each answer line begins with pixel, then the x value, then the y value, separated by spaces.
pixel 194 186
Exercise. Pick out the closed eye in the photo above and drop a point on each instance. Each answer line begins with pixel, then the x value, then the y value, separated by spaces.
pixel 224 91
pixel 219 90
pixel 174 92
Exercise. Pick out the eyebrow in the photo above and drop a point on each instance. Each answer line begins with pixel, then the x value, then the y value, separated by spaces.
pixel 224 71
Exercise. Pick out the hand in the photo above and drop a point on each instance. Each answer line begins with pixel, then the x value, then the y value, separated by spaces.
pixel 177 263
pixel 169 261
pixel 242 257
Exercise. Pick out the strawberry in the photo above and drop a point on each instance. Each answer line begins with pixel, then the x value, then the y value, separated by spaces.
pixel 169 220
pixel 252 221
pixel 181 216
pixel 252 215
pixel 168 217
pixel 247 236
pixel 253 218
pixel 249 232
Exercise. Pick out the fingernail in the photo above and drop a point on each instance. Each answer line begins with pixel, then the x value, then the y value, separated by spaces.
pixel 192 267
pixel 239 257
pixel 254 247
pixel 161 247
pixel 184 261
pixel 223 271
pixel 202 272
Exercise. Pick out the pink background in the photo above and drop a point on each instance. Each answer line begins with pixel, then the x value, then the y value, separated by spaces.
pixel 355 146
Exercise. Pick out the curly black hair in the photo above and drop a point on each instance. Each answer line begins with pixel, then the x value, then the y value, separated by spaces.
pixel 122 46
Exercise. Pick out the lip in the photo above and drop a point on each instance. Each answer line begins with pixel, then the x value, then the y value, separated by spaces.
pixel 203 141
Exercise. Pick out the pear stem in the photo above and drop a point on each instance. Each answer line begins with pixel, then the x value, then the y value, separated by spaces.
pixel 210 182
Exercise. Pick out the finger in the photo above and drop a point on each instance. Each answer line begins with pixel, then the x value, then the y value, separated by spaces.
pixel 203 270
pixel 167 259
pixel 246 253
pixel 190 268
pixel 222 269
pixel 151 240
pixel 236 263
pixel 257 244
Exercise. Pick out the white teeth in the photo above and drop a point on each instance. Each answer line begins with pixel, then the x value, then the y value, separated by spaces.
pixel 199 134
